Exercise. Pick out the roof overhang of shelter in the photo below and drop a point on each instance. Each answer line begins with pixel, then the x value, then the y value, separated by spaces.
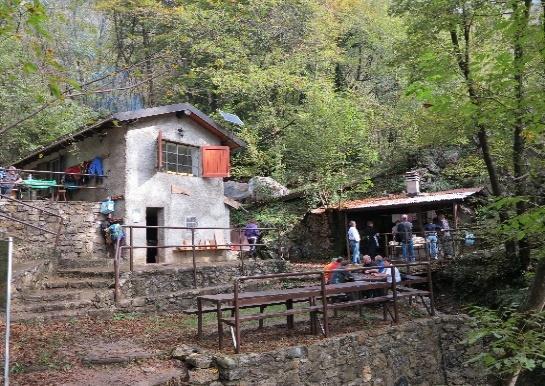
pixel 227 138
pixel 401 201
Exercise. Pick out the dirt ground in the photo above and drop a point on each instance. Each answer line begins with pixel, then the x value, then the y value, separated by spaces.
pixel 60 352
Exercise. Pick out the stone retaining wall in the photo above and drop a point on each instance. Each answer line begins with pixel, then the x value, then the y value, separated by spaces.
pixel 149 281
pixel 419 352
pixel 81 236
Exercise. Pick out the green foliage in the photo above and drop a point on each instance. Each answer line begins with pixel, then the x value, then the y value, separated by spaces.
pixel 468 171
pixel 511 340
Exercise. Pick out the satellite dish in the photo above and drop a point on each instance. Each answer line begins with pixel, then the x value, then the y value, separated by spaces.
pixel 233 118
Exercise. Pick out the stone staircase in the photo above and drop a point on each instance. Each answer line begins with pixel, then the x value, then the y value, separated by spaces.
pixel 85 287
pixel 77 288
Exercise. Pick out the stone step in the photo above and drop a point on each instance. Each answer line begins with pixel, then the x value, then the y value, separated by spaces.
pixel 52 306
pixel 78 283
pixel 86 272
pixel 60 315
pixel 66 263
pixel 55 295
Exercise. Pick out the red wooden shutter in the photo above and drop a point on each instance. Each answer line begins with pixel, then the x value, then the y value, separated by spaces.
pixel 215 161
pixel 160 150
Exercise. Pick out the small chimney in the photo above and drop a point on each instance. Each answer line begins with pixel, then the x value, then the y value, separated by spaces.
pixel 412 182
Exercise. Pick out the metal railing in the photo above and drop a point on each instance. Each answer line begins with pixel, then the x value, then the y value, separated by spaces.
pixel 57 233
pixel 449 243
pixel 24 173
pixel 193 247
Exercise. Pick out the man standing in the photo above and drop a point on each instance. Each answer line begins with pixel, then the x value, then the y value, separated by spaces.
pixel 430 230
pixel 252 233
pixel 371 240
pixel 405 233
pixel 354 242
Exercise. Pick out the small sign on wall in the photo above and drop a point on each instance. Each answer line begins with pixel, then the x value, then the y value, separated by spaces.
pixel 136 215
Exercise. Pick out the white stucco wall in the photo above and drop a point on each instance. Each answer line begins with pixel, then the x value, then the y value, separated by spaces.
pixel 147 187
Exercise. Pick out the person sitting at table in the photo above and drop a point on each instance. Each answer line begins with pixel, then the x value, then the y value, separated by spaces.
pixel 9 180
pixel 341 275
pixel 378 263
pixel 367 261
pixel 388 272
pixel 329 268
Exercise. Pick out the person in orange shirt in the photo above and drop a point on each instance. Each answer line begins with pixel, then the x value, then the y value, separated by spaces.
pixel 329 268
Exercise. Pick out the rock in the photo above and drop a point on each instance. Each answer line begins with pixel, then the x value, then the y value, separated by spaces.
pixel 226 362
pixel 238 191
pixel 263 188
pixel 183 351
pixel 200 361
pixel 296 352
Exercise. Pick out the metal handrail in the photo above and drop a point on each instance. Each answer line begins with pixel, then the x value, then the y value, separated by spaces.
pixel 51 213
pixel 119 248
pixel 51 172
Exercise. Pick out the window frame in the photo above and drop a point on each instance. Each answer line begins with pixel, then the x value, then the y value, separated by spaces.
pixel 193 157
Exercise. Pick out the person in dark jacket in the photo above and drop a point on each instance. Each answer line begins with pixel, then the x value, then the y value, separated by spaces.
pixel 370 237
pixel 405 233
pixel 252 233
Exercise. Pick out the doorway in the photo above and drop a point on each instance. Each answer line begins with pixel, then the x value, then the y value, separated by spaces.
pixel 154 217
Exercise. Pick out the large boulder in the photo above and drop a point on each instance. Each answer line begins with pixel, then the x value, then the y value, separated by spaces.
pixel 238 191
pixel 263 188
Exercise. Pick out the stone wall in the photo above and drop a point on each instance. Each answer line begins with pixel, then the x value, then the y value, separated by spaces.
pixel 80 237
pixel 150 281
pixel 312 238
pixel 171 288
pixel 419 352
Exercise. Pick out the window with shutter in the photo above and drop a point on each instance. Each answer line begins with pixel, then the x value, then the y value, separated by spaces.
pixel 215 161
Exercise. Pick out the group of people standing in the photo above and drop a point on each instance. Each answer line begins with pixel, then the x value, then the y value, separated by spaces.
pixel 436 233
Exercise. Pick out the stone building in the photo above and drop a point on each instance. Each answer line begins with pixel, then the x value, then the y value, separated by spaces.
pixel 166 167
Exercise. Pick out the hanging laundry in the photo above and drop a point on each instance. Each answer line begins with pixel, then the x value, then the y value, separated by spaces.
pixel 95 167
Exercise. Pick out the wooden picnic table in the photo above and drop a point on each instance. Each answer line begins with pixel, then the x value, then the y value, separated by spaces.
pixel 266 298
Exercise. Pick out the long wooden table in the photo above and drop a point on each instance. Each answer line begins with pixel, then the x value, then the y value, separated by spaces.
pixel 311 294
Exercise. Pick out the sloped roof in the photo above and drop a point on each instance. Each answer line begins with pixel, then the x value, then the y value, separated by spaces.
pixel 400 200
pixel 189 110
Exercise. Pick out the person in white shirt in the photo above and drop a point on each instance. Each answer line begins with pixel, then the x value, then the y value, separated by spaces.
pixel 354 242
pixel 388 272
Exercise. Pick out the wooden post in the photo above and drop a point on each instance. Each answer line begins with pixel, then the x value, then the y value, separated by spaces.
pixel 386 246
pixel 237 317
pixel 131 254
pixel 193 255
pixel 430 287
pixel 346 237
pixel 116 272
pixel 220 324
pixel 199 318
pixel 289 318
pixel 324 304
pixel 394 292
pixel 240 253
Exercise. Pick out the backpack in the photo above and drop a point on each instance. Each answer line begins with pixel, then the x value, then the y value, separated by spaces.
pixel 107 207
pixel 116 232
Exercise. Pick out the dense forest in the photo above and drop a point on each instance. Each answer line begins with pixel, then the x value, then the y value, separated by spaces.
pixel 333 94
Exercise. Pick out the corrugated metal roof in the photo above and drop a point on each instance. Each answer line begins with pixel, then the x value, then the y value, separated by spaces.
pixel 192 112
pixel 404 200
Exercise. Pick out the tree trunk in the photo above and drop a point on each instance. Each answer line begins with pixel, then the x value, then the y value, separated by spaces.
pixel 463 59
pixel 519 168
pixel 149 66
